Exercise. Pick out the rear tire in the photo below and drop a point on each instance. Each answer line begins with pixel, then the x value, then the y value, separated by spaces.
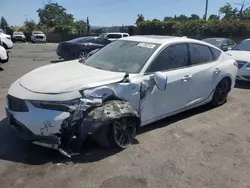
pixel 123 132
pixel 221 92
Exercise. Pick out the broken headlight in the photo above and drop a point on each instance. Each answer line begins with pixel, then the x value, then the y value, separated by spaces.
pixel 64 106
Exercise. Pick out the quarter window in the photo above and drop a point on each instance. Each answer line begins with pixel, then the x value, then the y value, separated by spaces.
pixel 200 54
pixel 216 53
pixel 172 57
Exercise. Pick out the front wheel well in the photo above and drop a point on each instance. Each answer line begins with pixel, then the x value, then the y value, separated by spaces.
pixel 100 118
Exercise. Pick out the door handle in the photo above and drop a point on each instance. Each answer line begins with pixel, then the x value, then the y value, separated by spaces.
pixel 217 70
pixel 187 77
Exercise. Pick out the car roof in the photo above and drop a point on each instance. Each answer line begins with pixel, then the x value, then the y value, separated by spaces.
pixel 217 38
pixel 116 33
pixel 159 39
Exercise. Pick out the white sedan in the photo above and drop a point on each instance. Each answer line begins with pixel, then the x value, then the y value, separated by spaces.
pixel 130 83
pixel 4 56
pixel 241 53
pixel 6 40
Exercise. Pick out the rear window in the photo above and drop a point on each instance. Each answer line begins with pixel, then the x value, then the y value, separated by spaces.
pixel 114 36
pixel 200 54
pixel 216 53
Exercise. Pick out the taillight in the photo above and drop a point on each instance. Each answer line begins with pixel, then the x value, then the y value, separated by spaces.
pixel 236 64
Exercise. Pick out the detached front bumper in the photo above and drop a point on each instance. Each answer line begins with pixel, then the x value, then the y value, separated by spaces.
pixel 27 134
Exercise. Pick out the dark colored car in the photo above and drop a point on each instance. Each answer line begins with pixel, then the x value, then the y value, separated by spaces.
pixel 222 43
pixel 80 47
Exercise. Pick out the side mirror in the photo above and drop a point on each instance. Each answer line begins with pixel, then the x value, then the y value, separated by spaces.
pixel 160 80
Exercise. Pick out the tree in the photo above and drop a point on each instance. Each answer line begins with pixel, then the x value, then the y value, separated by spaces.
pixel 182 17
pixel 214 17
pixel 229 12
pixel 156 20
pixel 53 14
pixel 140 19
pixel 3 23
pixel 194 17
pixel 29 26
pixel 241 11
pixel 80 26
pixel 168 18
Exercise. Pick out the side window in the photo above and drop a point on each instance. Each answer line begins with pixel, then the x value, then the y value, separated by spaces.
pixel 226 42
pixel 216 53
pixel 172 57
pixel 102 41
pixel 200 54
pixel 125 35
pixel 114 36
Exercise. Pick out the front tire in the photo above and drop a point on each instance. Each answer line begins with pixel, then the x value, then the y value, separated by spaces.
pixel 123 132
pixel 221 92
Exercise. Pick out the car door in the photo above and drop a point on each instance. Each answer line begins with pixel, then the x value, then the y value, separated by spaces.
pixel 205 72
pixel 155 103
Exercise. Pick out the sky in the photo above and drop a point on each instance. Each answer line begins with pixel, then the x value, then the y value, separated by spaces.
pixel 109 12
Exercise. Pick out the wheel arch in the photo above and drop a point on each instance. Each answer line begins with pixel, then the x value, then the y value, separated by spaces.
pixel 229 78
pixel 99 119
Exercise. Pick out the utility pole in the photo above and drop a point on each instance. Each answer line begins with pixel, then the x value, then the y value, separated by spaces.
pixel 205 15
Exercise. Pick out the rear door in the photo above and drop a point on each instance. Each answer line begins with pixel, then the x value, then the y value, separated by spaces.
pixel 205 72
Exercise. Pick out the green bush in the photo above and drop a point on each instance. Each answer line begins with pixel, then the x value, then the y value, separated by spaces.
pixel 195 28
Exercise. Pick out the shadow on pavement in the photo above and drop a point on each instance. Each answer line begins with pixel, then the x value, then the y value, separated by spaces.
pixel 57 61
pixel 242 84
pixel 173 119
pixel 12 148
pixel 1 69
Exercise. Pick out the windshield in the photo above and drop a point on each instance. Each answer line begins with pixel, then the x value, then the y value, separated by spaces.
pixel 243 45
pixel 103 35
pixel 18 33
pixel 122 56
pixel 215 42
pixel 38 32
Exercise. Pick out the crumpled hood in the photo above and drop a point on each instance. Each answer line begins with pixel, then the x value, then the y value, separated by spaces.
pixel 240 55
pixel 66 77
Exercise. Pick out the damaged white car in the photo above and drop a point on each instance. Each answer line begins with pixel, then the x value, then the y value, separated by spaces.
pixel 129 83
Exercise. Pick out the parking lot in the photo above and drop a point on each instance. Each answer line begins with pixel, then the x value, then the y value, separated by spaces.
pixel 203 147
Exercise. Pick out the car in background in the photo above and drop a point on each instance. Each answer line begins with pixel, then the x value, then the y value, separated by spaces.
pixel 241 53
pixel 4 56
pixel 113 36
pixel 222 43
pixel 132 82
pixel 18 36
pixel 38 36
pixel 6 41
pixel 80 47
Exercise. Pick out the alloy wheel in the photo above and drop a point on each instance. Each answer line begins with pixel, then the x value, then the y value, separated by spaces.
pixel 124 131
